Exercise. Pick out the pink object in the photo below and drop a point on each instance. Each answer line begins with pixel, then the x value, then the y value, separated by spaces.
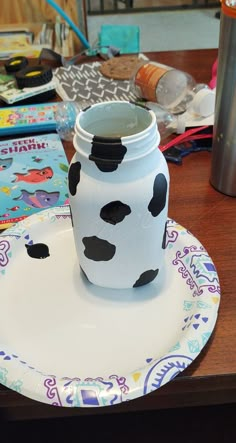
pixel 188 135
pixel 212 83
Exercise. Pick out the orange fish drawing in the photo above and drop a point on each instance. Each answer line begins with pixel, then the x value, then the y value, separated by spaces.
pixel 34 175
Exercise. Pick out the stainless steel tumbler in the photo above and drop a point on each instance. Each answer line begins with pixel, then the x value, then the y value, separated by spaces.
pixel 223 168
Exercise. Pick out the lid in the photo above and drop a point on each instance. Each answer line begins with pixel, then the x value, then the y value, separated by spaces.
pixel 203 103
pixel 229 8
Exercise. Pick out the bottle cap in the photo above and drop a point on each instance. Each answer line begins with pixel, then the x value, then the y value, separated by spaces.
pixel 203 103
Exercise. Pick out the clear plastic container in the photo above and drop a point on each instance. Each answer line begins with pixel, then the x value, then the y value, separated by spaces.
pixel 65 115
pixel 169 123
pixel 173 89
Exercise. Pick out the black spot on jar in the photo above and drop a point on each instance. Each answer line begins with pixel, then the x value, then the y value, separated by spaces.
pixel 146 277
pixel 107 153
pixel 38 250
pixel 158 200
pixel 164 237
pixel 98 249
pixel 74 177
pixel 114 212
pixel 87 107
pixel 71 216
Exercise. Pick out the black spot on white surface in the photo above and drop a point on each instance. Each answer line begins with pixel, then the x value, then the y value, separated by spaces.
pixel 164 237
pixel 38 250
pixel 114 212
pixel 71 216
pixel 98 249
pixel 158 200
pixel 107 153
pixel 87 107
pixel 74 177
pixel 146 277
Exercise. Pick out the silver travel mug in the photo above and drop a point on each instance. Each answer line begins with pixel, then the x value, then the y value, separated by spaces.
pixel 223 168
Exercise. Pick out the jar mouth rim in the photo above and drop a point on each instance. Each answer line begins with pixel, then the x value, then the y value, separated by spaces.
pixel 115 138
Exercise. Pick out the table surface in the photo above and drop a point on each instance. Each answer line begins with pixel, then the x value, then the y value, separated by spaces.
pixel 210 216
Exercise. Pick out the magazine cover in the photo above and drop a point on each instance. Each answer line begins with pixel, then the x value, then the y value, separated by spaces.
pixel 33 176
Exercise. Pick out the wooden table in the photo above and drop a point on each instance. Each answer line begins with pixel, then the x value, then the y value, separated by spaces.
pixel 210 216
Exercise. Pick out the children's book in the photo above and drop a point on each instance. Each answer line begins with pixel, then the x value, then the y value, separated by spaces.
pixel 33 176
pixel 10 93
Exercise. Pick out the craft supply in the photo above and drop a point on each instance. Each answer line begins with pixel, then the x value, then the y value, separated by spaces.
pixel 120 67
pixel 190 134
pixel 176 153
pixel 32 76
pixel 124 37
pixel 33 176
pixel 223 169
pixel 86 84
pixel 14 64
pixel 118 188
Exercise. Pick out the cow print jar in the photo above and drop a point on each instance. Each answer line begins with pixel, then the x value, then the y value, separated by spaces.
pixel 118 186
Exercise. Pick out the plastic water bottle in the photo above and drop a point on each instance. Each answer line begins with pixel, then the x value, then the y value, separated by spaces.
pixel 65 115
pixel 167 122
pixel 66 112
pixel 173 89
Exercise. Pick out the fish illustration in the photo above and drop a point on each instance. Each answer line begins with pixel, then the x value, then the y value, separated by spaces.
pixel 5 215
pixel 5 163
pixel 6 190
pixel 37 159
pixel 39 198
pixel 34 175
pixel 15 208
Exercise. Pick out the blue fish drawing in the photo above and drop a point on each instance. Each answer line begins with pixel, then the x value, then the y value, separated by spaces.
pixel 5 163
pixel 39 198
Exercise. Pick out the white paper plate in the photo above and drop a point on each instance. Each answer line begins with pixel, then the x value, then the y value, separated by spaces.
pixel 66 342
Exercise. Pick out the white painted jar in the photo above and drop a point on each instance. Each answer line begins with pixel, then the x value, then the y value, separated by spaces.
pixel 119 188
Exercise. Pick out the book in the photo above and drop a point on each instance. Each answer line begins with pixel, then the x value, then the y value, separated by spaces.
pixel 37 118
pixel 10 93
pixel 12 43
pixel 33 176
pixel 6 81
